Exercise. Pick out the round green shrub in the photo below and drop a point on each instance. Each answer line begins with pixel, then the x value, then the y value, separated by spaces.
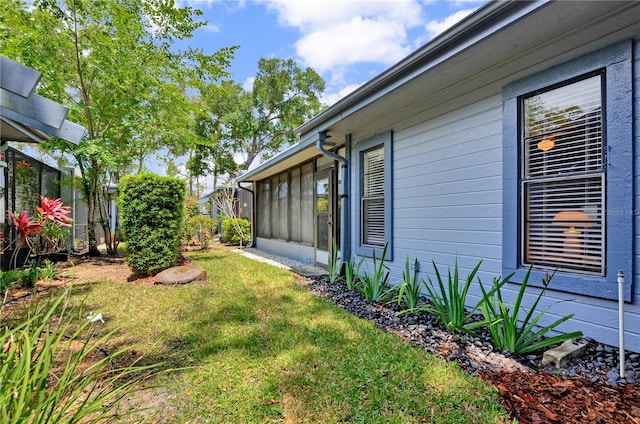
pixel 236 231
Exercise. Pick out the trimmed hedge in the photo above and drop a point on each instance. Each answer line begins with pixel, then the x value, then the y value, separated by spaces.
pixel 151 216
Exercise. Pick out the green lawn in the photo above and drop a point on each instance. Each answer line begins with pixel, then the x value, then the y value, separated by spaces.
pixel 262 349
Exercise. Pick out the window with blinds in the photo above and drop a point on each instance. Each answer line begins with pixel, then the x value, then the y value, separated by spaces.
pixel 373 214
pixel 563 177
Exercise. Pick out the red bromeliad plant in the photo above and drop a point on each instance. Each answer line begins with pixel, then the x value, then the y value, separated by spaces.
pixel 24 225
pixel 51 212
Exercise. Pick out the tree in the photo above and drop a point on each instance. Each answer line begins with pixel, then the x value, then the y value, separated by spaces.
pixel 112 63
pixel 283 97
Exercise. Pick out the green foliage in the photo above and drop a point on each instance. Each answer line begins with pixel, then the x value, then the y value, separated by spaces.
pixel 7 280
pixel 151 212
pixel 283 97
pixel 51 372
pixel 201 229
pixel 130 110
pixel 374 285
pixel 191 207
pixel 352 273
pixel 53 238
pixel 334 266
pixel 448 300
pixel 507 331
pixel 236 231
pixel 30 276
pixel 410 289
pixel 46 269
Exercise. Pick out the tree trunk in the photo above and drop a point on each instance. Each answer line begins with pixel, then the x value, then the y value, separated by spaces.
pixel 92 201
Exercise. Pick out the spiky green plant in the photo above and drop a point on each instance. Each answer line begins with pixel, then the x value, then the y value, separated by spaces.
pixel 334 266
pixel 448 301
pixel 375 285
pixel 515 335
pixel 49 372
pixel 411 288
pixel 352 273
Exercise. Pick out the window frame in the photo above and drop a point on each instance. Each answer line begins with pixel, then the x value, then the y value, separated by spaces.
pixel 386 140
pixel 553 175
pixel 616 61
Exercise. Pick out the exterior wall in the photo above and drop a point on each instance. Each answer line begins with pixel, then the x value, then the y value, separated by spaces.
pixel 288 250
pixel 447 205
pixel 447 191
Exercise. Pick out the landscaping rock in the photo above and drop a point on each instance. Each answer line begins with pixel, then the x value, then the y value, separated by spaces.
pixel 182 274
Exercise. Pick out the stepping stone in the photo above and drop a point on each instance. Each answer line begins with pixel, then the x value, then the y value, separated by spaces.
pixel 182 274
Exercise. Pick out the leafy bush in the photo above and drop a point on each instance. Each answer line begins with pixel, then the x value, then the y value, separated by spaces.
pixel 151 211
pixel 507 331
pixel 374 285
pixel 200 228
pixel 411 288
pixel 448 301
pixel 49 371
pixel 236 231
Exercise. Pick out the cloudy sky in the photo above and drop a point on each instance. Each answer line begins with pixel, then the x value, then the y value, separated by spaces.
pixel 347 41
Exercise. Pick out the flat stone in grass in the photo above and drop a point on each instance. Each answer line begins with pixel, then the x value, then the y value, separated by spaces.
pixel 182 274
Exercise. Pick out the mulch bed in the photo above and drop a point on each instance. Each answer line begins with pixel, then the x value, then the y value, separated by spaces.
pixel 544 398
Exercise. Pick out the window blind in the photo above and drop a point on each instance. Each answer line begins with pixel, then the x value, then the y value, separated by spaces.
pixel 373 207
pixel 563 178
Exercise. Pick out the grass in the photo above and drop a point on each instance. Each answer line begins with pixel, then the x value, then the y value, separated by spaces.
pixel 261 349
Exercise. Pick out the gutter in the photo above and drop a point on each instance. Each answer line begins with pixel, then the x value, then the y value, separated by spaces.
pixel 345 245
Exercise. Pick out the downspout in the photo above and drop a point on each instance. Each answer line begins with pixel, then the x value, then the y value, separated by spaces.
pixel 253 214
pixel 345 253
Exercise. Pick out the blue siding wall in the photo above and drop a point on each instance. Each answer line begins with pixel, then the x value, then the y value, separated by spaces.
pixel 447 204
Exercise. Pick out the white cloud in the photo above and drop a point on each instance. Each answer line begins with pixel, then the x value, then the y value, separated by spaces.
pixel 436 27
pixel 331 98
pixel 211 28
pixel 340 33
pixel 359 40
pixel 247 85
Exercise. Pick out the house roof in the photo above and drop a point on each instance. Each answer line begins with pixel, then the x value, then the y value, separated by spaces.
pixel 500 42
pixel 26 116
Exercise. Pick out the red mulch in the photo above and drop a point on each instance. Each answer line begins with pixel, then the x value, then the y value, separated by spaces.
pixel 544 398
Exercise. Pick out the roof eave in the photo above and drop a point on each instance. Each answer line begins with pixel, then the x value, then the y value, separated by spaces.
pixel 490 14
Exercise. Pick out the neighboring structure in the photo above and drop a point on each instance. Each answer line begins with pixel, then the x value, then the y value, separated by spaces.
pixel 28 117
pixel 227 201
pixel 508 138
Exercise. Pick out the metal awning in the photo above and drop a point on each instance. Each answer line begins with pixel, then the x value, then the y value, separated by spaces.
pixel 25 116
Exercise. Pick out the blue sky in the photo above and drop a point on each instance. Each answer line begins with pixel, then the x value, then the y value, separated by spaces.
pixel 347 42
